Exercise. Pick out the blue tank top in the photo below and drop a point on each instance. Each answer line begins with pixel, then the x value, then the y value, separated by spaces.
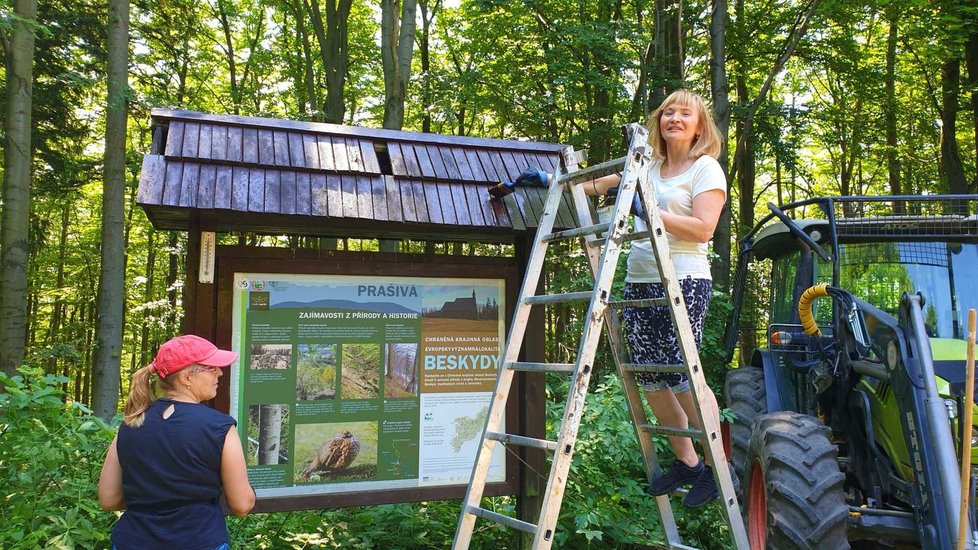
pixel 171 479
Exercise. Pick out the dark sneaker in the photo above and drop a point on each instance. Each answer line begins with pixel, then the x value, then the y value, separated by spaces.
pixel 676 476
pixel 704 489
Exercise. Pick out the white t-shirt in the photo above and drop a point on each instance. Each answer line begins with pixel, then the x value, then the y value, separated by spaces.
pixel 675 195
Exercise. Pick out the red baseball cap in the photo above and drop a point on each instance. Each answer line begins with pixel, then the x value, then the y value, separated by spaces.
pixel 181 352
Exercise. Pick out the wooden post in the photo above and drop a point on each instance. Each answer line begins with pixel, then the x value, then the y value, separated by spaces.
pixel 965 416
pixel 200 305
pixel 192 261
pixel 533 409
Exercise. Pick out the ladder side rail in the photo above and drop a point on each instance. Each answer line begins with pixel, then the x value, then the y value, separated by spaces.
pixel 633 395
pixel 582 206
pixel 504 379
pixel 573 410
pixel 604 275
pixel 636 410
pixel 613 330
pixel 633 398
pixel 711 442
pixel 550 507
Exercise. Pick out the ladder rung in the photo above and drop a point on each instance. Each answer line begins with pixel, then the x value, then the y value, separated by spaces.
pixel 625 239
pixel 648 367
pixel 680 492
pixel 592 172
pixel 579 232
pixel 501 519
pixel 541 367
pixel 652 302
pixel 637 236
pixel 667 430
pixel 523 441
pixel 558 298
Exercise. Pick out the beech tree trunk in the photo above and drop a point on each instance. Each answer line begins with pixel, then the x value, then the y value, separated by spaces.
pixel 745 163
pixel 148 294
pixel 111 288
pixel 309 76
pixel 57 312
pixel 222 17
pixel 971 61
pixel 15 217
pixel 892 159
pixel 951 167
pixel 428 12
pixel 667 69
pixel 333 38
pixel 721 107
pixel 397 28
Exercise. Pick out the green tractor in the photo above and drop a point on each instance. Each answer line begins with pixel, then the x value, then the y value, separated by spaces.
pixel 845 430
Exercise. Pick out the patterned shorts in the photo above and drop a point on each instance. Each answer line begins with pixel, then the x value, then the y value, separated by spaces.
pixel 651 336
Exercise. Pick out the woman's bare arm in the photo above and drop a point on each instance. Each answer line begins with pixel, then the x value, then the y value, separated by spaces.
pixel 601 185
pixel 110 495
pixel 234 476
pixel 698 227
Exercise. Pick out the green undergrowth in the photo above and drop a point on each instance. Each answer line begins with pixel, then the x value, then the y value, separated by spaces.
pixel 51 454
pixel 50 458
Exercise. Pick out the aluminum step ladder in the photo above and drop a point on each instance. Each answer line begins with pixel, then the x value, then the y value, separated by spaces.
pixel 602 243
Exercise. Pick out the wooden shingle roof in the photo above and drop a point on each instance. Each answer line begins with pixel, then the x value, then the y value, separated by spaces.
pixel 234 173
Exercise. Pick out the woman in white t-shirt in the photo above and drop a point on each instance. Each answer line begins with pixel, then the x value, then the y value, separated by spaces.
pixel 690 190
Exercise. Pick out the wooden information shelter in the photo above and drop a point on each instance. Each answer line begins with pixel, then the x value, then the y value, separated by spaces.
pixel 217 174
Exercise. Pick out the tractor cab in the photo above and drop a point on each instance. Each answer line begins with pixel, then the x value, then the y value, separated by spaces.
pixel 880 270
pixel 854 363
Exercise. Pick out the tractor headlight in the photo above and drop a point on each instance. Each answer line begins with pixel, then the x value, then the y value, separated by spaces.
pixel 974 436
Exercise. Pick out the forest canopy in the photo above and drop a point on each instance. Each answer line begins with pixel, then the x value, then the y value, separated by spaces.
pixel 816 98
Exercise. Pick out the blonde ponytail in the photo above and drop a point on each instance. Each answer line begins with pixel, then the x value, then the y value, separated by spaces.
pixel 141 396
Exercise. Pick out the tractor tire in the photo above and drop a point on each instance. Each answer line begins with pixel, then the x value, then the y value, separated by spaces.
pixel 747 398
pixel 794 489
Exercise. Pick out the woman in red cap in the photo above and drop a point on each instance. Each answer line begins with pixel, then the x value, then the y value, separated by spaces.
pixel 173 458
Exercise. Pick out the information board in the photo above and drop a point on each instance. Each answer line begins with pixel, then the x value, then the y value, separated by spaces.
pixel 353 383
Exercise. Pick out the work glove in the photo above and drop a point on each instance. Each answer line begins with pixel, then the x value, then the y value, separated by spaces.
pixel 637 208
pixel 531 176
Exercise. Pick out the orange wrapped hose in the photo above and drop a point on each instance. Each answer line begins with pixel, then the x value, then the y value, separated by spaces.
pixel 805 308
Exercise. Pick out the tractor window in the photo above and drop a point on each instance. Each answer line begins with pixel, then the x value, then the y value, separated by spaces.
pixel 880 273
pixel 783 273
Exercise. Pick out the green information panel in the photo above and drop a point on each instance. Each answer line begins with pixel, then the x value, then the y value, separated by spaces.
pixel 350 383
